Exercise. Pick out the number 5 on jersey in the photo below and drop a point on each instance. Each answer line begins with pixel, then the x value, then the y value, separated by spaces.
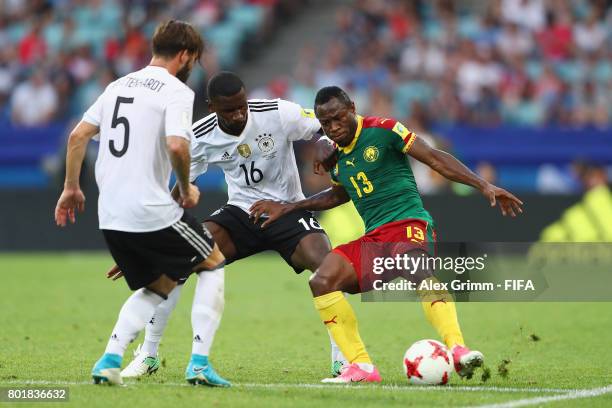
pixel 120 120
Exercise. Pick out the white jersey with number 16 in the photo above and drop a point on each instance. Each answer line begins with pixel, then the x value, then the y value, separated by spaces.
pixel 259 164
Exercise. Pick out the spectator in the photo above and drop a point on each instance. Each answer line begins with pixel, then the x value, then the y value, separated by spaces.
pixel 206 14
pixel 8 73
pixel 595 176
pixel 82 65
pixel 553 180
pixel 331 71
pixel 592 105
pixel 556 39
pixel 32 48
pixel 563 108
pixel 5 40
pixel 522 109
pixel 422 58
pixel 514 41
pixel 590 35
pixel 34 102
pixel 380 103
pixel 428 180
pixel 548 87
pixel 487 171
pixel 526 13
pixel 476 72
pixel 591 175
pixel 14 9
pixel 303 90
pixel 368 73
pixel 514 78
pixel 486 111
pixel 400 20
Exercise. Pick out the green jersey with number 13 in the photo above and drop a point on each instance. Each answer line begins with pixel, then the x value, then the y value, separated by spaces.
pixel 376 173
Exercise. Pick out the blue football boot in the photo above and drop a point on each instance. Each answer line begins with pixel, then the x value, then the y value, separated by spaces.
pixel 107 370
pixel 201 372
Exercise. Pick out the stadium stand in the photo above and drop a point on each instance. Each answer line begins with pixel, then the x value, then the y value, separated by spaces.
pixel 530 62
pixel 57 56
pixel 536 74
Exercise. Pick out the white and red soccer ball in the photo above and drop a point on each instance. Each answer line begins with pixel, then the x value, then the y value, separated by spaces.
pixel 428 362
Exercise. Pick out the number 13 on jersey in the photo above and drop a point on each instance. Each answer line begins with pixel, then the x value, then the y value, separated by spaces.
pixel 366 186
pixel 415 234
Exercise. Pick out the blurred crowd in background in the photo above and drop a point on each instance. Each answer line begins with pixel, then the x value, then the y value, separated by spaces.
pixel 497 63
pixel 523 62
pixel 526 62
pixel 56 56
pixel 515 63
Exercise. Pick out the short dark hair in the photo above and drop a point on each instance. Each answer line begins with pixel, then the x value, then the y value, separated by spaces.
pixel 174 36
pixel 329 92
pixel 224 83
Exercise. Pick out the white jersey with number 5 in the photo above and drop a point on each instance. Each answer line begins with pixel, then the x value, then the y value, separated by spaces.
pixel 260 163
pixel 135 114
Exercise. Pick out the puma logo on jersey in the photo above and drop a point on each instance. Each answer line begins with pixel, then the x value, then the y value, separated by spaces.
pixel 351 162
pixel 332 320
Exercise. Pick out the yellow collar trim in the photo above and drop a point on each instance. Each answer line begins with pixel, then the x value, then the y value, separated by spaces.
pixel 349 148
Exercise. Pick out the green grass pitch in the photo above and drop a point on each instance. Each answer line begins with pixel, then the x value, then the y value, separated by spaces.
pixel 57 311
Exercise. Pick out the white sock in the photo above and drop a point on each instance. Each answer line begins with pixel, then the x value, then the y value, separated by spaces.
pixel 156 326
pixel 208 303
pixel 336 354
pixel 367 367
pixel 134 315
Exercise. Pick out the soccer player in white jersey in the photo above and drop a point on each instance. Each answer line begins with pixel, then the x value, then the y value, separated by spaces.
pixel 144 125
pixel 252 141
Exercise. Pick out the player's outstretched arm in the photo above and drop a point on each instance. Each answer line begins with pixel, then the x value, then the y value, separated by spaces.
pixel 72 197
pixel 451 168
pixel 330 198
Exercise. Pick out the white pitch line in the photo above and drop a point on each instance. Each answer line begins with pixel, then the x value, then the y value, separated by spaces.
pixel 330 386
pixel 576 394
pixel 412 388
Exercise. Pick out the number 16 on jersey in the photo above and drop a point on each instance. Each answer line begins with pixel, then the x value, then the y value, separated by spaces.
pixel 253 175
pixel 313 224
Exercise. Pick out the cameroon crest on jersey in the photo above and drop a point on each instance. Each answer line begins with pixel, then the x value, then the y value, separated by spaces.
pixel 370 154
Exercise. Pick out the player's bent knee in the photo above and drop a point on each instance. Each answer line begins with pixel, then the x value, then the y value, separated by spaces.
pixel 311 251
pixel 222 239
pixel 162 286
pixel 321 284
pixel 215 260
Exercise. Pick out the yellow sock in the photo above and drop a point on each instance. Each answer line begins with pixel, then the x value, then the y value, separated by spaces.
pixel 339 318
pixel 440 311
